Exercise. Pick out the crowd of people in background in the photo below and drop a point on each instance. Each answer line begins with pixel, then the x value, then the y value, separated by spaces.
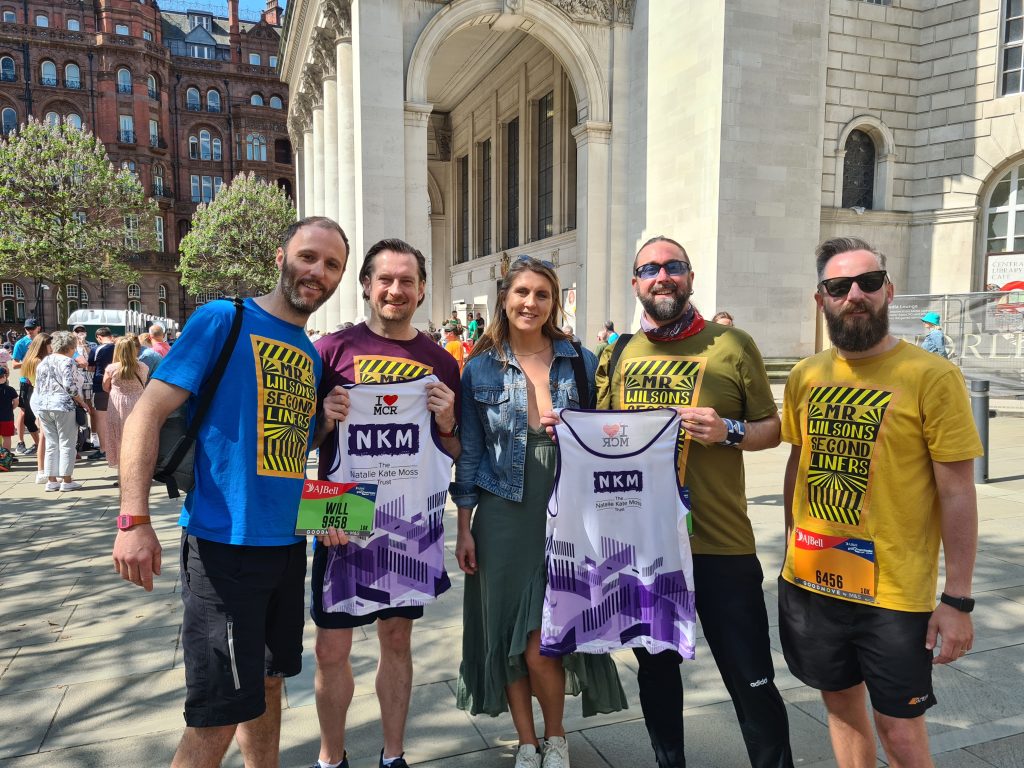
pixel 62 395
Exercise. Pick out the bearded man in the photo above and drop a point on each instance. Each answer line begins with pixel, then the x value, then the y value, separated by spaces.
pixel 881 471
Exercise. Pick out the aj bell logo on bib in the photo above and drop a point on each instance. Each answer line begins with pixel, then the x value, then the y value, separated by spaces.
pixel 615 436
pixel 385 405
pixel 613 482
pixel 383 439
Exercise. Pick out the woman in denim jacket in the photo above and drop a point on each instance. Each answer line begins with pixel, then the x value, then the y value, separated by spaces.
pixel 521 368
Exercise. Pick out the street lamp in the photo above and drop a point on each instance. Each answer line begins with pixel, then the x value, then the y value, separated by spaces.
pixel 39 308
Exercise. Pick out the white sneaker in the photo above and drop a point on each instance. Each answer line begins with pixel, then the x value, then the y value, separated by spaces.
pixel 527 756
pixel 556 753
pixel 72 486
pixel 52 487
pixel 41 477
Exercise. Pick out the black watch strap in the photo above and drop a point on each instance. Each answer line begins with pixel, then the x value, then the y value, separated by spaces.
pixel 964 604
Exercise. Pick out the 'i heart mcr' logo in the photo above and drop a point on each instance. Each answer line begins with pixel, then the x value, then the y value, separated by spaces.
pixel 616 436
pixel 385 405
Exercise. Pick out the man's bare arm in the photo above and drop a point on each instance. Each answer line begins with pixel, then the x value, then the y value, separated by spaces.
pixel 704 424
pixel 788 489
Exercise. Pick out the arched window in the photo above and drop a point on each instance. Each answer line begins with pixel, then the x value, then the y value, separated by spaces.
pixel 282 151
pixel 276 103
pixel 255 147
pixel 192 103
pixel 42 20
pixel 213 100
pixel 9 305
pixel 1004 216
pixel 152 86
pixel 74 25
pixel 121 29
pixel 72 76
pixel 158 225
pixel 217 153
pixel 7 71
pixel 48 73
pixel 162 296
pixel 124 80
pixel 256 100
pixel 83 299
pixel 134 297
pixel 204 145
pixel 8 120
pixel 859 171
pixel 71 291
pixel 207 296
pixel 158 179
pixel 193 147
pixel 52 119
pixel 75 121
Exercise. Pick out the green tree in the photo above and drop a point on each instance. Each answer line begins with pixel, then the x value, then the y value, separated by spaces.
pixel 66 212
pixel 233 239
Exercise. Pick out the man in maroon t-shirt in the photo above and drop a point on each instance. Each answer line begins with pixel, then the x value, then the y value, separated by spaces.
pixel 385 348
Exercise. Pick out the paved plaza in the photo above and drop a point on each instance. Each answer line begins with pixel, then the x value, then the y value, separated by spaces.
pixel 91 672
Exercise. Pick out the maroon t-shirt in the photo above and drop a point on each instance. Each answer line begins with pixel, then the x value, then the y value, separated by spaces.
pixel 358 355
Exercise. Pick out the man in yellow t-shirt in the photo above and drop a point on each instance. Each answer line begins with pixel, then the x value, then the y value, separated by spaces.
pixel 453 345
pixel 880 472
pixel 714 376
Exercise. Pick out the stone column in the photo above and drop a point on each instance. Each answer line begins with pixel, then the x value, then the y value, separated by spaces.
pixel 308 170
pixel 300 176
pixel 350 303
pixel 592 153
pixel 318 160
pixel 417 200
pixel 327 317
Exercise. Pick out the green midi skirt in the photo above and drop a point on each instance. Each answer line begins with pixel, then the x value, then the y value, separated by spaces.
pixel 504 599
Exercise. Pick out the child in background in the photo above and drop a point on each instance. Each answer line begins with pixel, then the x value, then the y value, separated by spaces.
pixel 8 402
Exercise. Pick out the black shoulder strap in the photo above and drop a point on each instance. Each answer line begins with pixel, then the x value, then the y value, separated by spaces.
pixel 579 371
pixel 620 344
pixel 210 385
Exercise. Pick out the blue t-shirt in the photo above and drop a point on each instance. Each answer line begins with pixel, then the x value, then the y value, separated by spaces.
pixel 250 459
pixel 20 350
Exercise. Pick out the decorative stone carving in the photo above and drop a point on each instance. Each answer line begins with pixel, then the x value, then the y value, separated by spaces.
pixel 323 51
pixel 312 83
pixel 301 119
pixel 338 14
pixel 595 10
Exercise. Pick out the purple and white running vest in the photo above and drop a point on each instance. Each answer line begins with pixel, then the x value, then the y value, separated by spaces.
pixel 619 568
pixel 389 439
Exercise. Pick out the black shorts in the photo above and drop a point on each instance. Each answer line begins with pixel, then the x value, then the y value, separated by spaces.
pixel 244 611
pixel 25 403
pixel 325 620
pixel 832 644
pixel 100 399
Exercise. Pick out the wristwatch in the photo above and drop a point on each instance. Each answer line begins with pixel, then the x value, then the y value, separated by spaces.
pixel 736 430
pixel 453 433
pixel 127 522
pixel 964 604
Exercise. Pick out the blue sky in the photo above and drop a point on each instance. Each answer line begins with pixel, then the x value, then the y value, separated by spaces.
pixel 253 8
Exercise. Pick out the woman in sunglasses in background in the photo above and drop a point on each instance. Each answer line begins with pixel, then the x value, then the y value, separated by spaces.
pixel 520 368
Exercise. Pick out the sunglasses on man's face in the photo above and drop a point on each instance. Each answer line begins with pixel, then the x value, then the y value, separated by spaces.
pixel 674 268
pixel 869 282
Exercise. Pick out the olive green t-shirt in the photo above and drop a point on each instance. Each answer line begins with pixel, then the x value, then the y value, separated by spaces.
pixel 720 367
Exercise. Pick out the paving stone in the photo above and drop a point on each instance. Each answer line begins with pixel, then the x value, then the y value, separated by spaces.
pixel 32 627
pixel 141 751
pixel 1004 753
pixel 582 754
pixel 24 720
pixel 135 612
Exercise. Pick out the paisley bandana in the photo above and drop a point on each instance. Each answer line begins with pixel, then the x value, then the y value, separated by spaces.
pixel 689 324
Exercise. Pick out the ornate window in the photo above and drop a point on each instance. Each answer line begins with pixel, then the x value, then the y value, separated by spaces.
pixel 48 73
pixel 83 299
pixel 42 20
pixel 8 120
pixel 213 100
pixel 217 152
pixel 134 291
pixel 208 296
pixel 72 76
pixel 255 147
pixel 255 60
pixel 131 234
pixel 158 224
pixel 121 29
pixel 10 17
pixel 204 145
pixel 276 103
pixel 152 87
pixel 256 100
pixel 162 296
pixel 52 119
pixel 75 121
pixel 74 25
pixel 192 100
pixel 1004 216
pixel 545 165
pixel 124 80
pixel 7 70
pixel 859 171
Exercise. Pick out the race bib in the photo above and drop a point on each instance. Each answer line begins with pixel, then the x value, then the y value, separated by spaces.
pixel 835 565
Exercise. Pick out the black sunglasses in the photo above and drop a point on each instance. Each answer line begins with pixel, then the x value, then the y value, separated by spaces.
pixel 674 268
pixel 869 282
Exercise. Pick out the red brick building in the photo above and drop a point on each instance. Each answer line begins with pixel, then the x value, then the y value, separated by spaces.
pixel 186 99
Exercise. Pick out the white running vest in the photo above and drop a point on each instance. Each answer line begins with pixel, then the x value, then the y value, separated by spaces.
pixel 619 568
pixel 389 439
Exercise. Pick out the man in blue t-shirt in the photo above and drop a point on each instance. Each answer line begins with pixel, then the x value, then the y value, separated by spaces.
pixel 25 420
pixel 243 569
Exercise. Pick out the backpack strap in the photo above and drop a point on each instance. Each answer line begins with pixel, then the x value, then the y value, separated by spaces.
pixel 579 371
pixel 210 385
pixel 620 344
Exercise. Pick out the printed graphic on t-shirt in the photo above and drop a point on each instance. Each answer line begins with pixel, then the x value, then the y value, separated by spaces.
pixel 842 426
pixel 286 402
pixel 383 370
pixel 662 382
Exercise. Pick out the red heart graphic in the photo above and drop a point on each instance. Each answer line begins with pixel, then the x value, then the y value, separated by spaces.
pixel 611 429
pixel 390 399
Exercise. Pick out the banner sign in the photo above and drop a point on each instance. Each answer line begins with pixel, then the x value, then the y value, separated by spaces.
pixel 984 331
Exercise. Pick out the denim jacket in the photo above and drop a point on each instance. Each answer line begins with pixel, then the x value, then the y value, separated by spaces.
pixel 494 420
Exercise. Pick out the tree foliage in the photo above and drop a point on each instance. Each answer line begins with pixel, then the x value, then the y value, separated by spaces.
pixel 234 238
pixel 65 211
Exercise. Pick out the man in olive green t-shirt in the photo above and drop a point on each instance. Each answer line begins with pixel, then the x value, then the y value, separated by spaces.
pixel 714 376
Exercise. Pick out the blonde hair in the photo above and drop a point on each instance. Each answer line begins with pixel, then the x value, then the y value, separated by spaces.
pixel 37 350
pixel 126 354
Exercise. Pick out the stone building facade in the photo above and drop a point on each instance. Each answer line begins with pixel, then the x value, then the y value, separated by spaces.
pixel 573 130
pixel 187 100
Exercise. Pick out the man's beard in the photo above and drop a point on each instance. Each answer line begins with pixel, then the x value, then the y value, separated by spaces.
pixel 665 310
pixel 856 334
pixel 292 294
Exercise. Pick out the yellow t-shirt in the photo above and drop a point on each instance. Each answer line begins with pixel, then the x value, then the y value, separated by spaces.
pixel 455 349
pixel 720 368
pixel 866 510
